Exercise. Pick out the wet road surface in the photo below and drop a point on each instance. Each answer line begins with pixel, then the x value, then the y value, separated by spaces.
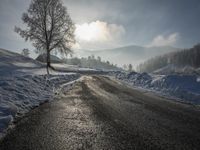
pixel 100 113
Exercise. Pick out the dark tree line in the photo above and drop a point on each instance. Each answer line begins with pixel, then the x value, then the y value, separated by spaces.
pixel 128 67
pixel 91 62
pixel 186 57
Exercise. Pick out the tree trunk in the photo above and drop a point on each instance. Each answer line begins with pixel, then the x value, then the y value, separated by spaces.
pixel 48 61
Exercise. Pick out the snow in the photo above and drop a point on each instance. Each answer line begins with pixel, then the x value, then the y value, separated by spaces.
pixel 86 69
pixel 182 87
pixel 25 85
pixel 72 67
pixel 173 69
pixel 26 64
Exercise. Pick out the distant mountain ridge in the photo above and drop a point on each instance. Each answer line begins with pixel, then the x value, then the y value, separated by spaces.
pixel 129 54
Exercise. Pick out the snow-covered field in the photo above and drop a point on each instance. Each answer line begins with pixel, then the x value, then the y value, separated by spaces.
pixel 24 85
pixel 181 87
pixel 72 67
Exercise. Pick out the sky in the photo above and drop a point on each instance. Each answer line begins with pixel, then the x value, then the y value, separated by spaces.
pixel 105 24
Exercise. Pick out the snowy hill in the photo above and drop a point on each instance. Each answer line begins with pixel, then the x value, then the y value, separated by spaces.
pixel 173 69
pixel 24 85
pixel 183 61
pixel 11 62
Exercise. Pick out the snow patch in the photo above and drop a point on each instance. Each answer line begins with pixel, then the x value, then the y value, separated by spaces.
pixel 25 85
pixel 173 69
pixel 183 87
pixel 19 94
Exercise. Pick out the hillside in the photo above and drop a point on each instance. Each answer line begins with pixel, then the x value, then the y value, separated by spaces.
pixel 182 61
pixel 11 62
pixel 179 87
pixel 129 54
pixel 24 85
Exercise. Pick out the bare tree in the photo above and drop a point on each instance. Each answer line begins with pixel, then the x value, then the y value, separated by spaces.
pixel 130 67
pixel 125 67
pixel 49 27
pixel 25 52
pixel 89 57
pixel 99 58
pixel 93 57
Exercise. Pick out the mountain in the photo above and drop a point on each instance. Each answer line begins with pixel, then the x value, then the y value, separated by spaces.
pixel 128 55
pixel 174 69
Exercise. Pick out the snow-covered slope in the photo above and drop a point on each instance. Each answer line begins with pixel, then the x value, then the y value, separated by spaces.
pixel 173 69
pixel 23 86
pixel 11 62
pixel 183 87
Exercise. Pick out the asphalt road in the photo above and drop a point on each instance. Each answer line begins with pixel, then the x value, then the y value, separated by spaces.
pixel 100 113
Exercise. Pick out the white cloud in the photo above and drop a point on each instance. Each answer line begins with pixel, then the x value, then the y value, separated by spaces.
pixel 98 33
pixel 164 40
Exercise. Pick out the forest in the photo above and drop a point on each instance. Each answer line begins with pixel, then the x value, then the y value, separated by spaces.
pixel 186 57
pixel 91 62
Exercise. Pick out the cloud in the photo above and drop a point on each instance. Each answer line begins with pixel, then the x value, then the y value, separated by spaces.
pixel 98 33
pixel 164 40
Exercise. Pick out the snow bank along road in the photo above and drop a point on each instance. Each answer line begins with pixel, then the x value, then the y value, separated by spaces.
pixel 100 113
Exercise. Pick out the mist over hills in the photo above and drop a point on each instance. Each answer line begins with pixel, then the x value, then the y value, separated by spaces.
pixel 183 61
pixel 127 55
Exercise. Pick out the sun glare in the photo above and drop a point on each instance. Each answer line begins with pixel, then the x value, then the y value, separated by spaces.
pixel 94 31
